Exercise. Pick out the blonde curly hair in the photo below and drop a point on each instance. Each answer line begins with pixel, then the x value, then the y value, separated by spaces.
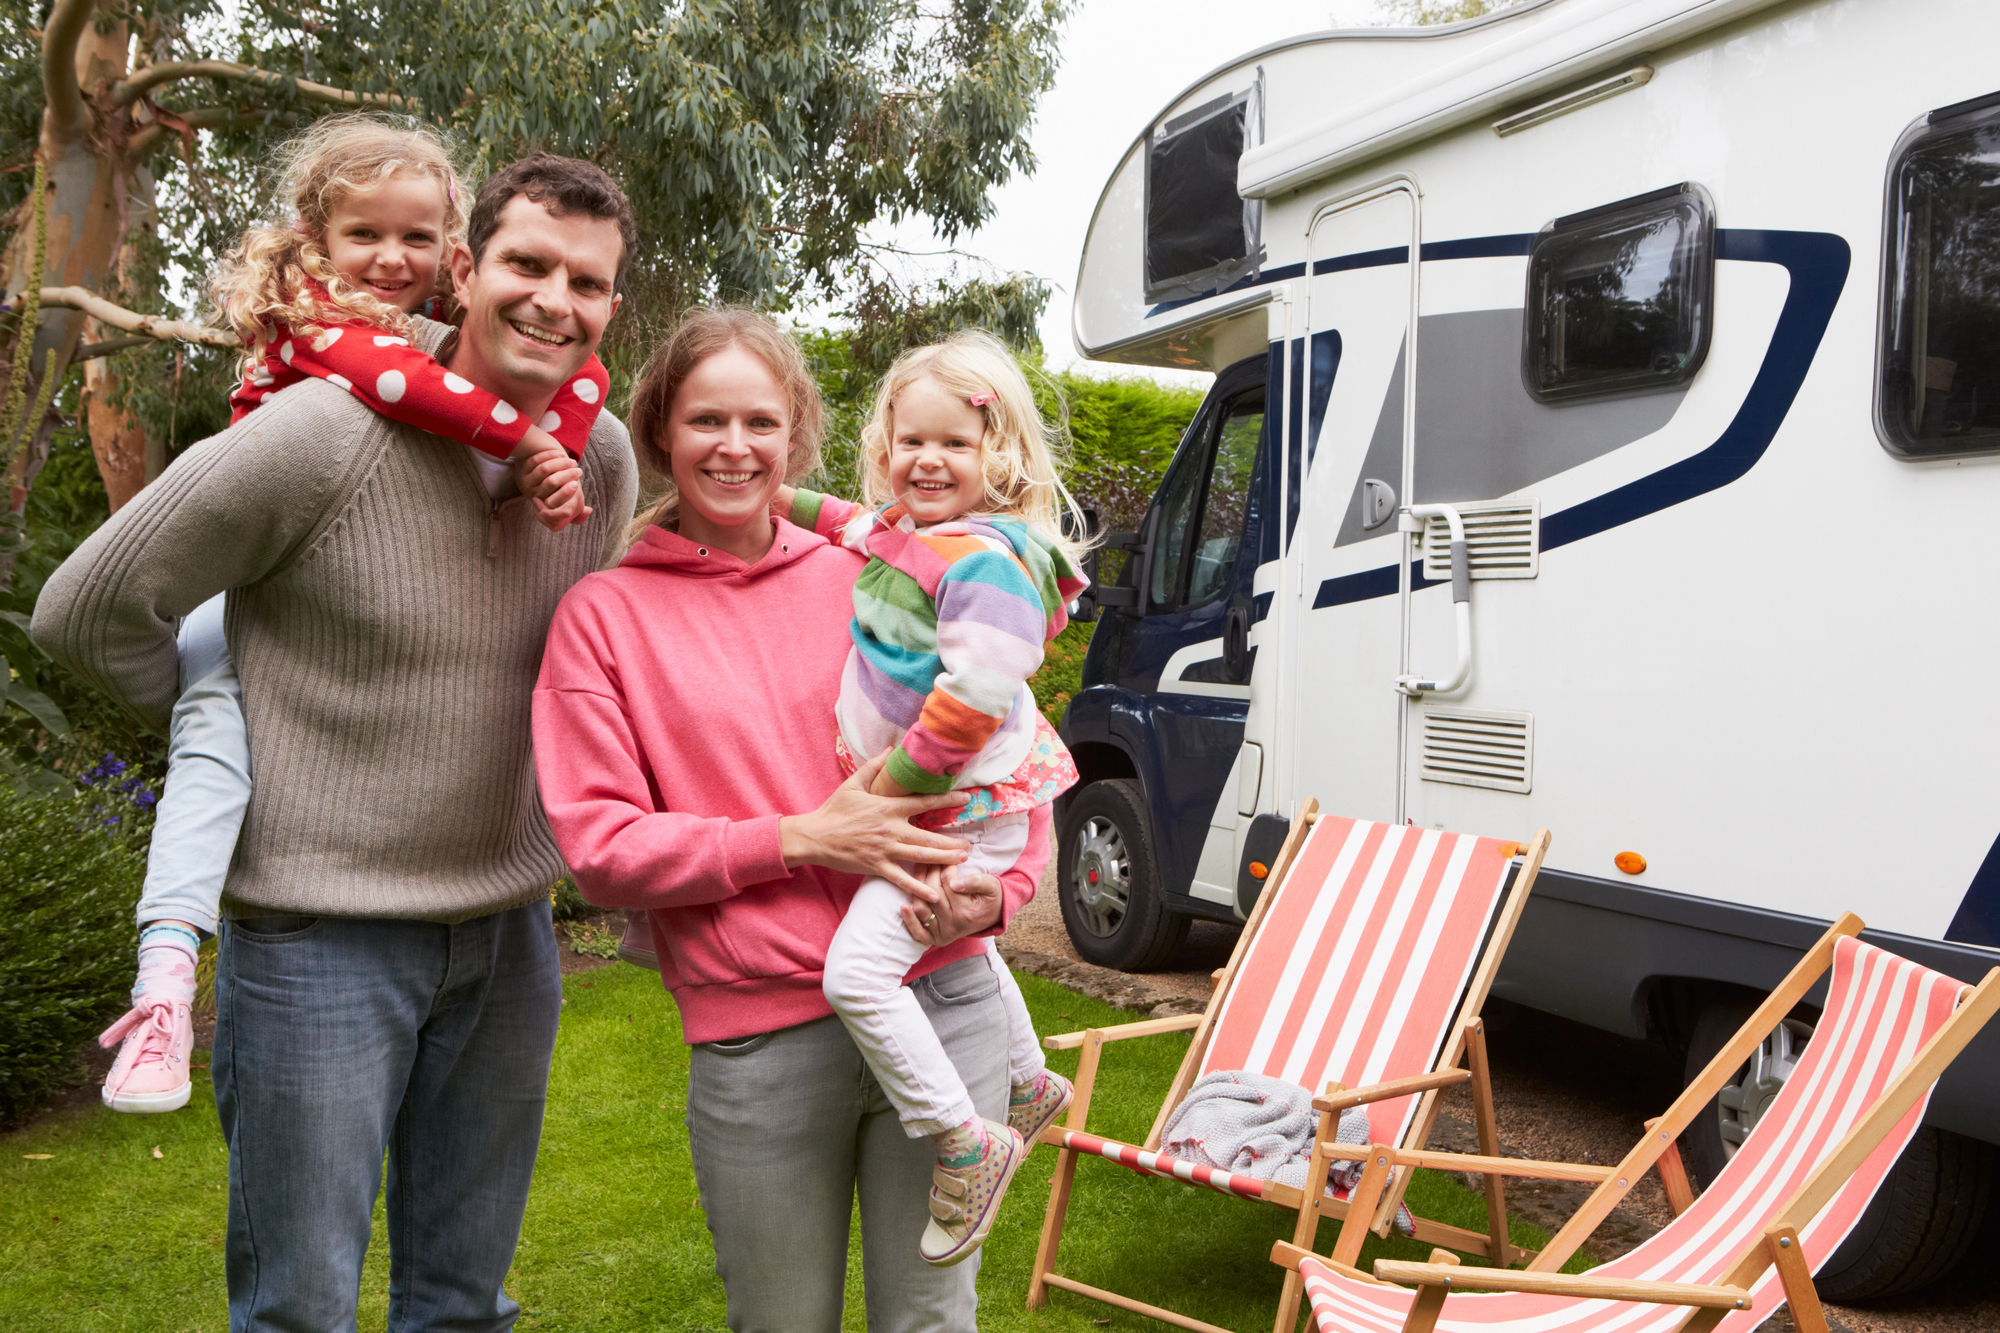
pixel 1020 456
pixel 268 280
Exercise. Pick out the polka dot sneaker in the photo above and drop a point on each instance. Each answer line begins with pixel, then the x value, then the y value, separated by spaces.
pixel 150 1074
pixel 965 1200
pixel 1033 1107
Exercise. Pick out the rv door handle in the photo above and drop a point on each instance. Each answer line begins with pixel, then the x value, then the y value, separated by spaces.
pixel 1236 643
pixel 1461 608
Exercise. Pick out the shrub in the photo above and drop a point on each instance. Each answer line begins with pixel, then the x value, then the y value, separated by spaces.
pixel 68 886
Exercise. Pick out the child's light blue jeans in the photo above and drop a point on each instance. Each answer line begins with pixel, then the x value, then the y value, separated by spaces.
pixel 208 781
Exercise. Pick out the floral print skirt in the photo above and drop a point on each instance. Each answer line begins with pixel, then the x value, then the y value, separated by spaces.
pixel 1046 773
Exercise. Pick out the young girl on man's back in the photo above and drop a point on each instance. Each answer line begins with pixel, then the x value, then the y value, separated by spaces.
pixel 328 295
pixel 967 577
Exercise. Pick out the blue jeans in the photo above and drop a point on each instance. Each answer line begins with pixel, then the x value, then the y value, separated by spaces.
pixel 787 1128
pixel 338 1039
pixel 208 780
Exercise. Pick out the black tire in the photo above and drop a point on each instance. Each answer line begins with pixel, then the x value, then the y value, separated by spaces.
pixel 1923 1219
pixel 1108 883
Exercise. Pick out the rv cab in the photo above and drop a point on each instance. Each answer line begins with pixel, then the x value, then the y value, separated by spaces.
pixel 1605 435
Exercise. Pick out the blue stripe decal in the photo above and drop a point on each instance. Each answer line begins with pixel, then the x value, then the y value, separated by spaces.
pixel 1474 247
pixel 1817 263
pixel 1978 917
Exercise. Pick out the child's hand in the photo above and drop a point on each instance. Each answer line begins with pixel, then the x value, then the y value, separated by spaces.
pixel 884 785
pixel 781 507
pixel 547 475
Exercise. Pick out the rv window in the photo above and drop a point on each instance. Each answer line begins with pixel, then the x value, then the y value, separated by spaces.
pixel 1201 514
pixel 1620 299
pixel 1221 530
pixel 1200 234
pixel 1940 359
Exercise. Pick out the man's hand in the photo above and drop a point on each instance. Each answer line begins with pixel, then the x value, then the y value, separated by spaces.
pixel 548 476
pixel 969 904
pixel 865 834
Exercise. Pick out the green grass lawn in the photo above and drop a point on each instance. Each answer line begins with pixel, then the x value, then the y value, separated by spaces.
pixel 113 1222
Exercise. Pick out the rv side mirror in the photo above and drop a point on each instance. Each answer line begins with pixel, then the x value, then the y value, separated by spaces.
pixel 1126 595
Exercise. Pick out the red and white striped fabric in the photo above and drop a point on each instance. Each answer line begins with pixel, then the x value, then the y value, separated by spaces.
pixel 1880 1011
pixel 1357 970
pixel 1159 1164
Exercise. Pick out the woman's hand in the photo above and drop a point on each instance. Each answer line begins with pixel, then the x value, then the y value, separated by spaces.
pixel 872 835
pixel 969 904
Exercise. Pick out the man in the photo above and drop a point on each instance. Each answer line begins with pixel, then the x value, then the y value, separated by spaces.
pixel 387 978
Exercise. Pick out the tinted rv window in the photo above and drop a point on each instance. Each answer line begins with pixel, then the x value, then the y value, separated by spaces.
pixel 1940 360
pixel 1202 510
pixel 1620 298
pixel 1200 234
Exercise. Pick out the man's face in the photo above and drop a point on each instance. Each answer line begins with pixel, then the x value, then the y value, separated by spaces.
pixel 537 303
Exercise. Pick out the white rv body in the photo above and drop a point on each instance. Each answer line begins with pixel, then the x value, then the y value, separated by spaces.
pixel 1757 649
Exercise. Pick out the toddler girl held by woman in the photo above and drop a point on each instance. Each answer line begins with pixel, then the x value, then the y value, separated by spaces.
pixel 967 577
pixel 330 295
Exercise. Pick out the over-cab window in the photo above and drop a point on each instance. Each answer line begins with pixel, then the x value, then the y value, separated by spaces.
pixel 1940 360
pixel 1621 298
pixel 1201 235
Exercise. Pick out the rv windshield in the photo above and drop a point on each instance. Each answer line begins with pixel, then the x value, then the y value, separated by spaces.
pixel 1940 363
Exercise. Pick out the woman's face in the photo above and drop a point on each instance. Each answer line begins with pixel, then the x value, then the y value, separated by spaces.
pixel 729 435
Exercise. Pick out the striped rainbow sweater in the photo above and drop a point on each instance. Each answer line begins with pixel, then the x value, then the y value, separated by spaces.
pixel 949 623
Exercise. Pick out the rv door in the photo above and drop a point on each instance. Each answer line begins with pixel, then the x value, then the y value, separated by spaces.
pixel 1351 466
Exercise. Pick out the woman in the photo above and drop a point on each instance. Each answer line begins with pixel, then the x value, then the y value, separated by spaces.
pixel 683 736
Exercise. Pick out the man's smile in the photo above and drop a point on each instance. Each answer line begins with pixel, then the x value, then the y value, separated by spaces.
pixel 546 337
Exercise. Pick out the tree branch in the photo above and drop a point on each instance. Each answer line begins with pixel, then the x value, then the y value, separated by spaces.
pixel 152 326
pixel 203 118
pixel 131 90
pixel 110 347
pixel 60 36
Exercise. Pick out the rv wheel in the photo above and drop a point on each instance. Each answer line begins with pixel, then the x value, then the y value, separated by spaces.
pixel 1107 883
pixel 1921 1222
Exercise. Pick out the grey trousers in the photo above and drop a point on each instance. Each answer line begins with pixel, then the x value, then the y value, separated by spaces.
pixel 786 1126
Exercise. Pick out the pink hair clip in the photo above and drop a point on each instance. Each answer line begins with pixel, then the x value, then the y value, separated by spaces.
pixel 982 399
pixel 299 226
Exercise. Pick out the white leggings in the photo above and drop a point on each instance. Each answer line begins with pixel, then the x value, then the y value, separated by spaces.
pixel 865 966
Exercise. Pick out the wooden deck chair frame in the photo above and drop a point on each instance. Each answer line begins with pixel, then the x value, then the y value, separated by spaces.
pixel 1778 1245
pixel 1465 1042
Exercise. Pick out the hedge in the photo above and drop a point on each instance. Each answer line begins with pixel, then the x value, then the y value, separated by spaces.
pixel 68 888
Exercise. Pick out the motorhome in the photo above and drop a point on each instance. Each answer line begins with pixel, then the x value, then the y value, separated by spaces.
pixel 1605 435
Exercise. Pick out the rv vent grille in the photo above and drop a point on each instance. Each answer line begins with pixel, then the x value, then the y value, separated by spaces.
pixel 1476 748
pixel 1503 541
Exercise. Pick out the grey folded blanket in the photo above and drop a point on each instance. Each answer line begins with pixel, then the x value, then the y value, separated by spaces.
pixel 1263 1128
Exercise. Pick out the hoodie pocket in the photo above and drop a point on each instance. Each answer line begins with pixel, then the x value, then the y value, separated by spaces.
pixel 776 930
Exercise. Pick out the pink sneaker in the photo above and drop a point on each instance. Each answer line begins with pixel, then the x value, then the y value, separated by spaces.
pixel 151 1072
pixel 1033 1108
pixel 964 1200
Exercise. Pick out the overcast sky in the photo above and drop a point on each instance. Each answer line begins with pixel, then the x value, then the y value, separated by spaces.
pixel 1121 61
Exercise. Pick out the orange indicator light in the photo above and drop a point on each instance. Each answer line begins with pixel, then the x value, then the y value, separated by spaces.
pixel 1258 870
pixel 1630 862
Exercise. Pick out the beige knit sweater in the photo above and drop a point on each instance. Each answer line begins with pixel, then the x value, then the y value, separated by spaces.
pixel 387 622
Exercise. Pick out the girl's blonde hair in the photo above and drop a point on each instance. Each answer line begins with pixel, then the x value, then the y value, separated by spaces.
pixel 1021 458
pixel 701 333
pixel 266 281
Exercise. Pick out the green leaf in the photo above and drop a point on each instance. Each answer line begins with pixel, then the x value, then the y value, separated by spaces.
pixel 38 706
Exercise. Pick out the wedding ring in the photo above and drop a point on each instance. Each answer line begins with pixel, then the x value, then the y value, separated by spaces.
pixel 930 921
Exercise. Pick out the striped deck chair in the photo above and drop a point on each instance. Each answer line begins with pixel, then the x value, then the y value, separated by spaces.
pixel 1361 971
pixel 1779 1208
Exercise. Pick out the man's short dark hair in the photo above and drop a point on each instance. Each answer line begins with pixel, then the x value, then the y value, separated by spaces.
pixel 563 185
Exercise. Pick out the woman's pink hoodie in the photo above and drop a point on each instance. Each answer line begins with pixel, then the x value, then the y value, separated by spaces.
pixel 685 703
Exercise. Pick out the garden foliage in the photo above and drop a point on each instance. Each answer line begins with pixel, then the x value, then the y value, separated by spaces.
pixel 70 872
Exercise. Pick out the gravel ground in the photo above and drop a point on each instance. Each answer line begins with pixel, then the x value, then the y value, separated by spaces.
pixel 1561 1092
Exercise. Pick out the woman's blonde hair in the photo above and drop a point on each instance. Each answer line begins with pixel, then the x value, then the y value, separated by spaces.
pixel 267 280
pixel 1020 457
pixel 701 333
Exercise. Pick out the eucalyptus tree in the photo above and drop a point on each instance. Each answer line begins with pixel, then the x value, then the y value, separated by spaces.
pixel 758 139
